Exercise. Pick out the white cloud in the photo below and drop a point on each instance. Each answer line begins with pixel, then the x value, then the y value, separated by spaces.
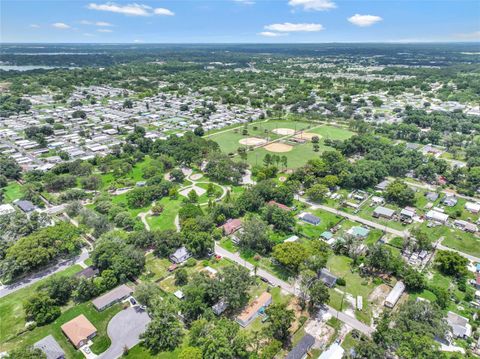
pixel 289 27
pixel 245 2
pixel 103 23
pixel 313 5
pixel 34 26
pixel 88 34
pixel 130 9
pixel 163 11
pixel 364 20
pixel 97 23
pixel 137 41
pixel 270 34
pixel 61 25
pixel 469 36
pixel 104 30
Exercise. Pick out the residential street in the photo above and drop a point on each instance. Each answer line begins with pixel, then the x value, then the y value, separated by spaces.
pixel 353 217
pixel 7 289
pixel 354 323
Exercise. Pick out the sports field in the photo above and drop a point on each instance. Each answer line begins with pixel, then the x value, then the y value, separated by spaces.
pixel 301 153
pixel 231 140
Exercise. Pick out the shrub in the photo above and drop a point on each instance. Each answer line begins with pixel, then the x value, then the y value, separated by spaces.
pixel 341 281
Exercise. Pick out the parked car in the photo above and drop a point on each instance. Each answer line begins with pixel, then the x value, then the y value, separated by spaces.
pixel 133 301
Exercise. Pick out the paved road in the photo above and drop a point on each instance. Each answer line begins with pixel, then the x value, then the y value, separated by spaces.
pixel 465 255
pixel 354 218
pixel 7 289
pixel 124 329
pixel 292 289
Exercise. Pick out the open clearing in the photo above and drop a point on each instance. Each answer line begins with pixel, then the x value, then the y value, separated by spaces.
pixel 252 141
pixel 278 147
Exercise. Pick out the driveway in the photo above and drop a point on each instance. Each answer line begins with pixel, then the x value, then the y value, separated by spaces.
pixel 124 329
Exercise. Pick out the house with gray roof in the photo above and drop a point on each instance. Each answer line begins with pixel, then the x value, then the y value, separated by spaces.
pixel 301 349
pixel 180 255
pixel 115 295
pixel 328 278
pixel 459 325
pixel 383 212
pixel 50 347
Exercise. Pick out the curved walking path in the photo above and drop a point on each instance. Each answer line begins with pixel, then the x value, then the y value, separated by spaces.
pixel 124 330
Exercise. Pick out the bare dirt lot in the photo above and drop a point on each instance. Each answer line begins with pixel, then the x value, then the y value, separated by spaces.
pixel 278 147
pixel 284 131
pixel 252 141
pixel 307 135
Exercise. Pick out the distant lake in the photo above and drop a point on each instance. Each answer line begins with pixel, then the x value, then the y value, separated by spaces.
pixel 27 67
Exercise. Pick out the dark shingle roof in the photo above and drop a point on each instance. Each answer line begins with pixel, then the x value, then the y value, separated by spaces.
pixel 301 348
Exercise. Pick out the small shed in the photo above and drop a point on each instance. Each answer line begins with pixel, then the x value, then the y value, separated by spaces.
pixel 395 294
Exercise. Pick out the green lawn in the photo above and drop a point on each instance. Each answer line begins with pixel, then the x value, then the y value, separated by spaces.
pixel 122 200
pixel 11 306
pixel 135 175
pixel 99 320
pixel 166 220
pixel 327 221
pixel 155 268
pixel 12 192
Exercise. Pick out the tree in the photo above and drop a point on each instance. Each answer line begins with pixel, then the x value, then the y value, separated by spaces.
pixel 279 320
pixel 290 254
pixel 281 219
pixel 164 332
pixel 41 308
pixel 199 131
pixel 451 263
pixel 317 192
pixel 199 243
pixel 147 292
pixel 190 353
pixel 400 193
pixel 9 168
pixel 235 283
pixel 181 277
pixel 318 294
pixel 128 103
pixel 315 139
pixel 112 252
pixel 166 242
pixel 177 175
pixel 255 236
pixel 26 353
pixel 58 288
pixel 413 279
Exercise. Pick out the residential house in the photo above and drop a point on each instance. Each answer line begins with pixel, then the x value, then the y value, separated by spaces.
pixel 180 255
pixel 79 331
pixel 431 196
pixel 459 325
pixel 220 307
pixel 472 207
pixel 114 296
pixel 436 216
pixel 358 232
pixel 335 351
pixel 450 200
pixel 279 205
pixel 254 309
pixel 231 226
pixel 309 218
pixel 328 278
pixel 383 212
pixel 465 226
pixel 6 209
pixel 50 347
pixel 300 350
pixel 88 272
pixel 395 294
pixel 382 186
pixel 25 206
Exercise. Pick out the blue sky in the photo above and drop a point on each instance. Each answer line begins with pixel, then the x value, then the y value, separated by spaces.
pixel 230 21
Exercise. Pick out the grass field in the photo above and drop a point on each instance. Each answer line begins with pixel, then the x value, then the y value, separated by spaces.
pixel 11 306
pixel 12 192
pixel 13 321
pixel 298 156
pixel 229 141
pixel 166 220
